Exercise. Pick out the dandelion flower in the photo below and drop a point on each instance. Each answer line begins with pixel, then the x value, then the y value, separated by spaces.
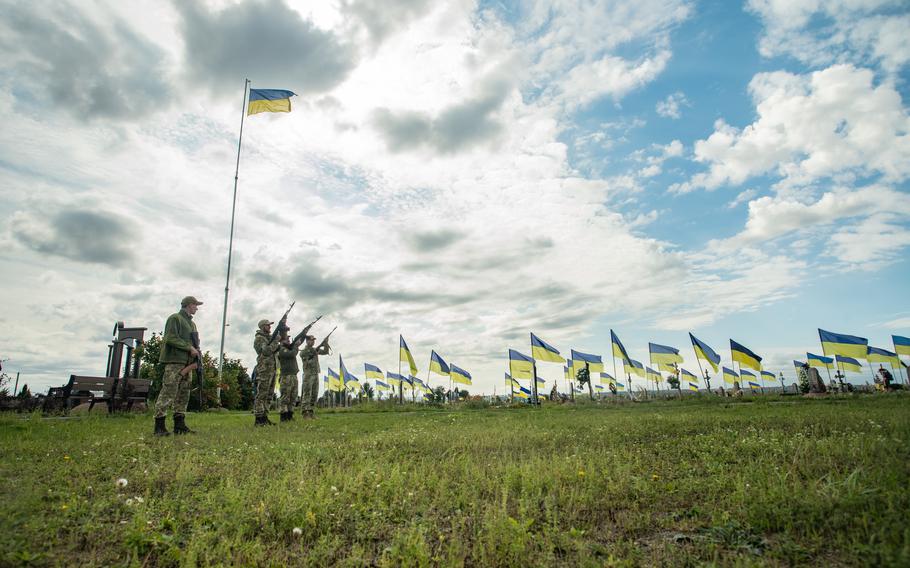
pixel 297 531
pixel 66 458
pixel 122 482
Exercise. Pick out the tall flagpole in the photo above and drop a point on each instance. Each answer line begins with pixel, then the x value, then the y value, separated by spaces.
pixel 227 280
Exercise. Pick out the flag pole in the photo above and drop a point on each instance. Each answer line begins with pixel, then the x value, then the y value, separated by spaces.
pixel 227 279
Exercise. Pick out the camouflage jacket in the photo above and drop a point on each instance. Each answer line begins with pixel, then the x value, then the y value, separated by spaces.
pixel 310 358
pixel 287 359
pixel 176 340
pixel 265 352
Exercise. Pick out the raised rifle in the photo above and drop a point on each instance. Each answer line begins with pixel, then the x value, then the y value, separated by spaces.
pixel 194 338
pixel 326 340
pixel 302 335
pixel 282 323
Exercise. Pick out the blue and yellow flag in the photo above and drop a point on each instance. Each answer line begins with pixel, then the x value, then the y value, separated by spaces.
pixel 876 355
pixel 620 386
pixel 269 100
pixel 394 378
pixel 541 382
pixel 901 344
pixel 768 375
pixel 543 351
pixel 744 356
pixel 652 375
pixel 598 387
pixel 606 378
pixel 667 367
pixel 687 375
pixel 664 354
pixel 460 376
pixel 798 364
pixel 848 364
pixel 510 382
pixel 754 385
pixel 704 353
pixel 693 387
pixel 594 362
pixel 730 375
pixel 744 373
pixel 335 383
pixel 372 371
pixel 520 366
pixel 820 362
pixel 438 365
pixel 635 368
pixel 404 355
pixel 381 386
pixel 522 393
pixel 619 349
pixel 840 344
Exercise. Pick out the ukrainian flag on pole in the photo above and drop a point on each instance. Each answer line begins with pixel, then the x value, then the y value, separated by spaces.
pixel 404 355
pixel 664 354
pixel 619 349
pixel 595 363
pixel 876 355
pixel 460 376
pixel 840 344
pixel 393 378
pixel 848 364
pixel 520 366
pixel 543 351
pixel 635 368
pixel 901 344
pixel 438 365
pixel 745 357
pixel 820 362
pixel 269 100
pixel 704 352
pixel 372 372
pixel 730 376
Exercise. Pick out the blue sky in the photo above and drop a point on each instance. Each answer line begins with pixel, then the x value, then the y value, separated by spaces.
pixel 459 173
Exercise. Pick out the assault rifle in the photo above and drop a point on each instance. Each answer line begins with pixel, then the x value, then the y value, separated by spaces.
pixel 326 340
pixel 194 338
pixel 298 339
pixel 282 323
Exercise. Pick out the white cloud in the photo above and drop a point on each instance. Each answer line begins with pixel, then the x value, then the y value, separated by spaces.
pixel 825 32
pixel 670 107
pixel 831 122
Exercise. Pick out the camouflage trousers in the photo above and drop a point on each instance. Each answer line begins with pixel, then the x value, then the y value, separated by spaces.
pixel 288 388
pixel 175 391
pixel 265 385
pixel 310 392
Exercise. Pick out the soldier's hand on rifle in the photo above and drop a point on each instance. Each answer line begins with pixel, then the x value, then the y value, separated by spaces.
pixel 194 352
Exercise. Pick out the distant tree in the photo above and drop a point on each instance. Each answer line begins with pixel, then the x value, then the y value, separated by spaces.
pixel 24 394
pixel 436 395
pixel 368 391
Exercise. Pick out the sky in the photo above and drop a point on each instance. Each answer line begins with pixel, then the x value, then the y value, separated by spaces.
pixel 461 173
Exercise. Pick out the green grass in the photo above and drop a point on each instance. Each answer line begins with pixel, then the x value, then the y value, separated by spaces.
pixel 769 482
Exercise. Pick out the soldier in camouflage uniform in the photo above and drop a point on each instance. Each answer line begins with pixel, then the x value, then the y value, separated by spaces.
pixel 177 354
pixel 265 371
pixel 287 361
pixel 309 356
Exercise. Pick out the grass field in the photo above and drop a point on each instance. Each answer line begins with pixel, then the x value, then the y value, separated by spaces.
pixel 769 482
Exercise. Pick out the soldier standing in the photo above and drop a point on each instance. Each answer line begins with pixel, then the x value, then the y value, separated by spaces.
pixel 287 361
pixel 309 355
pixel 265 371
pixel 177 354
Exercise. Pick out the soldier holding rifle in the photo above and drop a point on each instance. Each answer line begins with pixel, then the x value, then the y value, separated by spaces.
pixel 310 358
pixel 287 360
pixel 180 357
pixel 266 346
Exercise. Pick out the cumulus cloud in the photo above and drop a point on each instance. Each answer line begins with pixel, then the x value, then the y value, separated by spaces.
pixel 829 122
pixel 80 235
pixel 670 106
pixel 264 40
pixel 382 18
pixel 822 33
pixel 91 64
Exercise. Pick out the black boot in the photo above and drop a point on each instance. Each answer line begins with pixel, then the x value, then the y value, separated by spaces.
pixel 160 428
pixel 266 421
pixel 180 426
pixel 260 420
pixel 284 416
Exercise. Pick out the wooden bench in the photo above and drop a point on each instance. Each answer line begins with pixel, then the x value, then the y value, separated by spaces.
pixel 90 389
pixel 131 391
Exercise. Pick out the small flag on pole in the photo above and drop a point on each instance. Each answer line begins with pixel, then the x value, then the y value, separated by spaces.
pixel 269 100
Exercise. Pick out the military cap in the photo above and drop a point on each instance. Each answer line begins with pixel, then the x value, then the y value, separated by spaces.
pixel 190 300
pixel 265 322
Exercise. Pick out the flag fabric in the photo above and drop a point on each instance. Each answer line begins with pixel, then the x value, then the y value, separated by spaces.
pixel 438 365
pixel 819 361
pixel 693 387
pixel 704 352
pixel 687 374
pixel 565 372
pixel 876 355
pixel 768 375
pixel 636 368
pixel 848 364
pixel 418 384
pixel 347 379
pixel 382 386
pixel 522 393
pixel 269 100
pixel 798 364
pixel 543 351
pixel 618 349
pixel 520 366
pixel 407 380
pixel 393 378
pixel 620 386
pixel 744 356
pixel 745 373
pixel 460 376
pixel 335 383
pixel 668 367
pixel 754 385
pixel 664 354
pixel 512 382
pixel 730 375
pixel 840 344
pixel 901 344
pixel 594 362
pixel 404 355
pixel 372 371
pixel 652 375
pixel 541 382
pixel 606 378
pixel 598 387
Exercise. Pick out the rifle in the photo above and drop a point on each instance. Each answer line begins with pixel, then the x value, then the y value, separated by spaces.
pixel 194 338
pixel 326 340
pixel 282 323
pixel 302 335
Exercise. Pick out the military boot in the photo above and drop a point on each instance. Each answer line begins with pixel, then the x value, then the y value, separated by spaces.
pixel 266 421
pixel 259 420
pixel 180 426
pixel 284 416
pixel 160 428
